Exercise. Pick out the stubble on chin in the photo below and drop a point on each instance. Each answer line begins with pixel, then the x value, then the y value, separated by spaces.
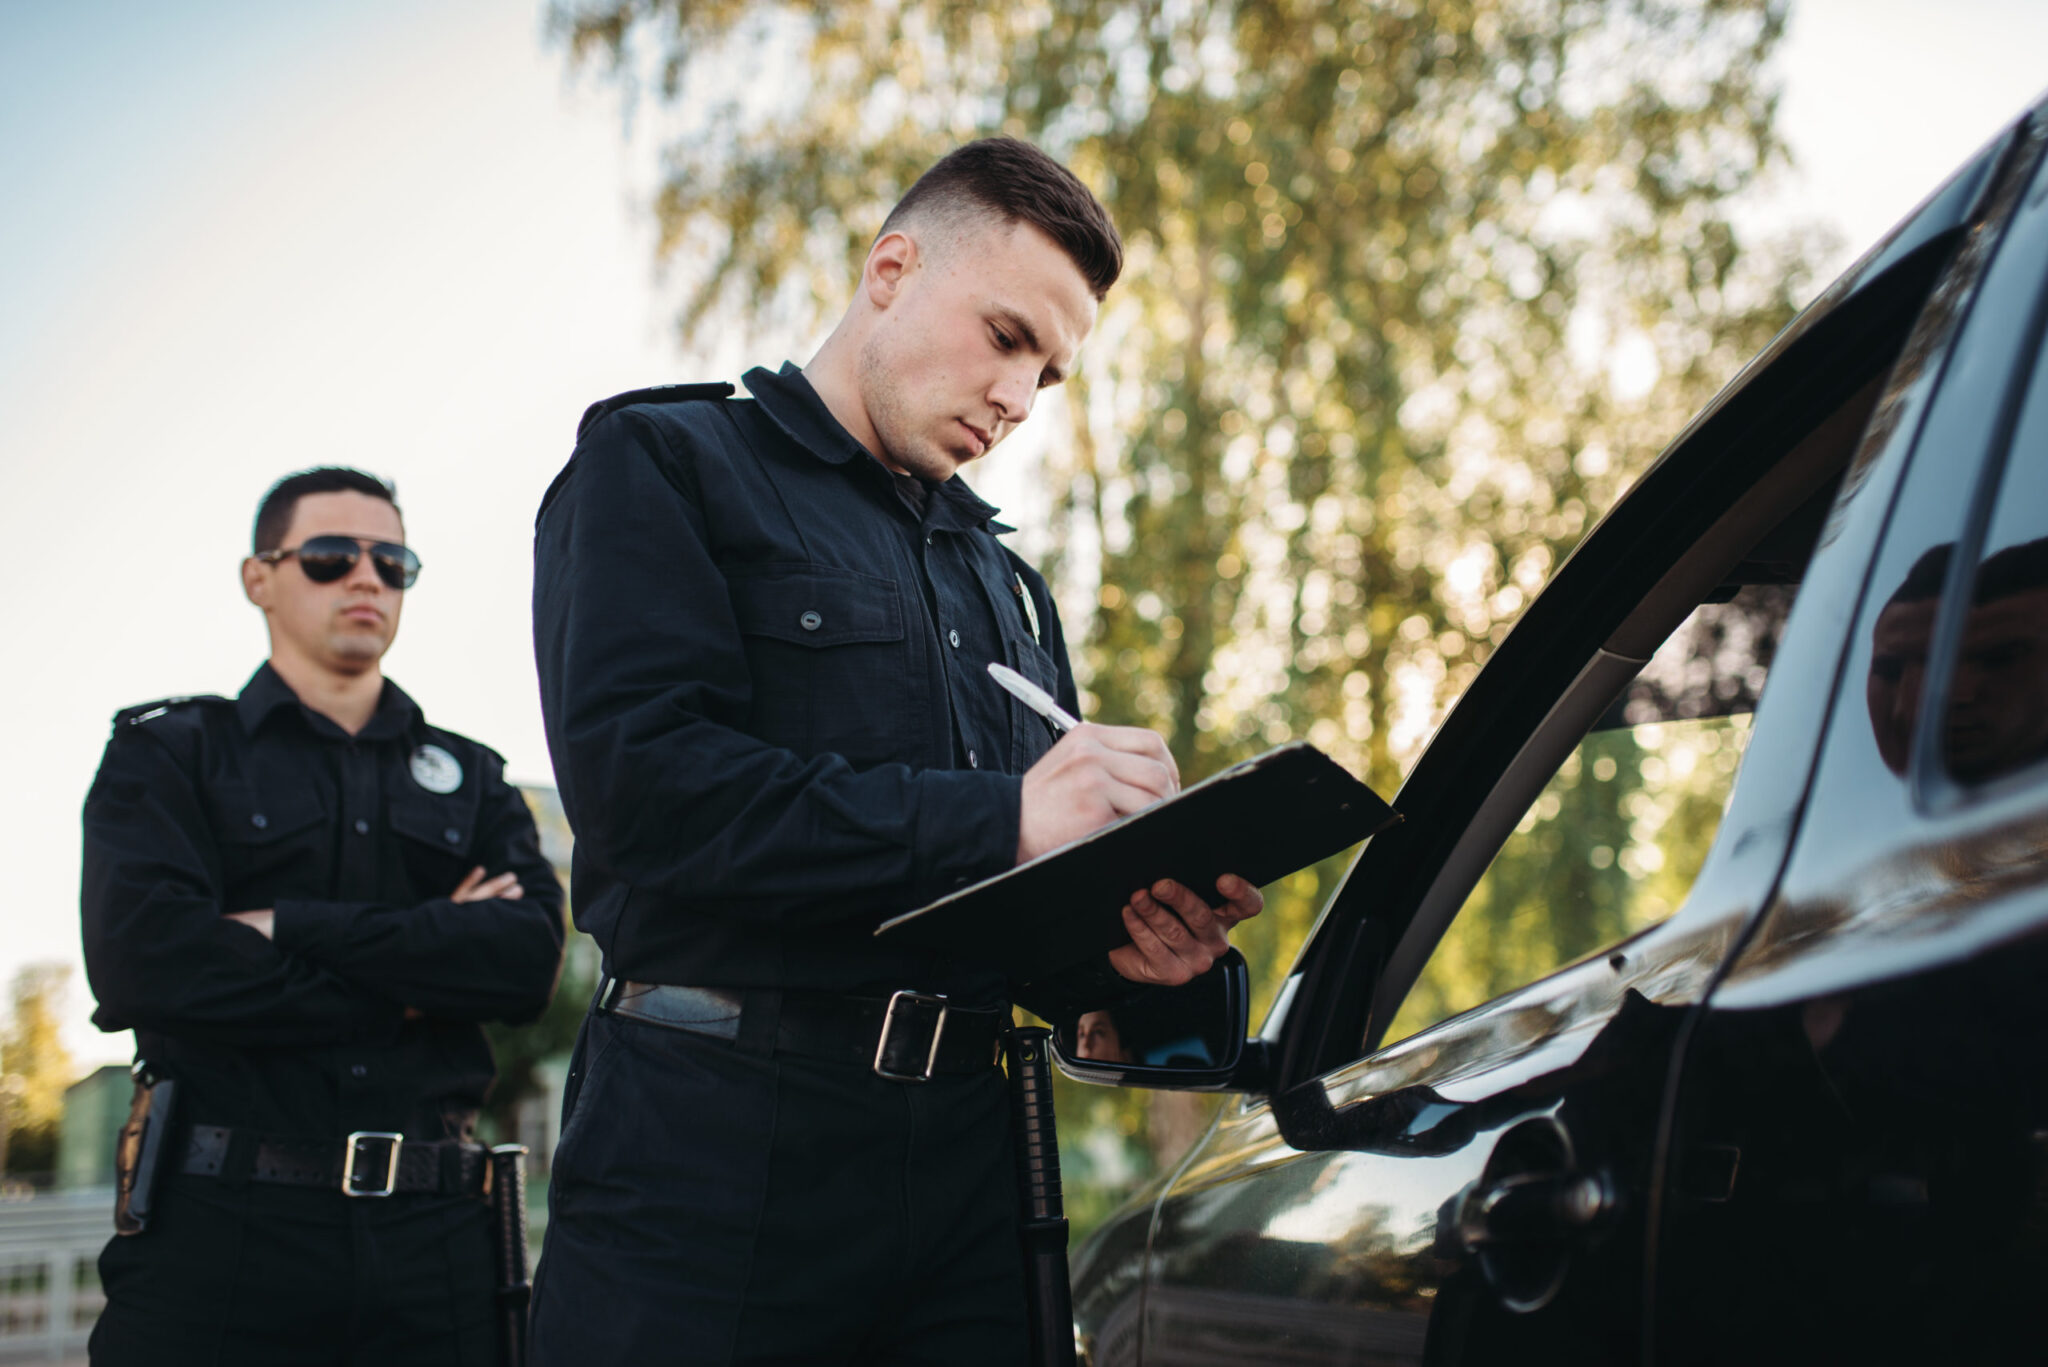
pixel 360 649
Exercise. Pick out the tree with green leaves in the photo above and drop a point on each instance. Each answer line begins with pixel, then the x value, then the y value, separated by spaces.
pixel 35 1068
pixel 1414 288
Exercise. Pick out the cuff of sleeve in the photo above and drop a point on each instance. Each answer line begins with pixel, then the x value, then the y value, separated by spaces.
pixel 966 828
pixel 302 927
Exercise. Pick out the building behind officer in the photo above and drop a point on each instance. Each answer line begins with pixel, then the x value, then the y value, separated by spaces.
pixel 763 630
pixel 305 901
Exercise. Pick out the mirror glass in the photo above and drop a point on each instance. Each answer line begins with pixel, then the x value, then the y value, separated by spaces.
pixel 1197 1027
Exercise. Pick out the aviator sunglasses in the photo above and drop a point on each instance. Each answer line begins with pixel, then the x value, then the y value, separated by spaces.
pixel 325 559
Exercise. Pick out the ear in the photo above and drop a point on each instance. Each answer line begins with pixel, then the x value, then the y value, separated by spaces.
pixel 255 582
pixel 889 266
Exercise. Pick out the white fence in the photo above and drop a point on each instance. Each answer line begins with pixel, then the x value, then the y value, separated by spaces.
pixel 49 1269
pixel 49 1273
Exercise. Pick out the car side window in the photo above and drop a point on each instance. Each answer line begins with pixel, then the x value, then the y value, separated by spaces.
pixel 1613 842
pixel 1995 714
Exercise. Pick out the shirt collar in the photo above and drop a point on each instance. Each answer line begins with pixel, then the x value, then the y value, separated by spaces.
pixel 267 691
pixel 788 399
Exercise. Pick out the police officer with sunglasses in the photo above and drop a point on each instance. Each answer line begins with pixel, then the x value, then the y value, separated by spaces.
pixel 306 902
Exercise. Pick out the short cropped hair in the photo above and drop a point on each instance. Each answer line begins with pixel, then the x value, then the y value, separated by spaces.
pixel 274 513
pixel 2016 569
pixel 1012 180
pixel 1925 579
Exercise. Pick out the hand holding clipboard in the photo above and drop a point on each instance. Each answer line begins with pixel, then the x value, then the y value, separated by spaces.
pixel 1259 820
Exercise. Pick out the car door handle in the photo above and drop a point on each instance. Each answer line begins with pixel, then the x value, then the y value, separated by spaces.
pixel 1534 1207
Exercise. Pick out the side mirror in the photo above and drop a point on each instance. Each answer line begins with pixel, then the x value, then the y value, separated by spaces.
pixel 1188 1039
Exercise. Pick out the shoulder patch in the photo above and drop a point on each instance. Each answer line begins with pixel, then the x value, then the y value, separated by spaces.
pixel 150 711
pixel 660 393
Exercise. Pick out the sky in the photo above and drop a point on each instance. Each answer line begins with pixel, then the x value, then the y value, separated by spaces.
pixel 240 238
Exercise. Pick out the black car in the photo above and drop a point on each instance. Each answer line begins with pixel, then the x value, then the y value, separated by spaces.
pixel 1785 1102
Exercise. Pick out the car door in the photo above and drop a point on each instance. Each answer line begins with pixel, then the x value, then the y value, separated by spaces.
pixel 1443 1179
pixel 1860 1165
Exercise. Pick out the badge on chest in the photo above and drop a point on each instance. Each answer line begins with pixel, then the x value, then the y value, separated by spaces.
pixel 436 770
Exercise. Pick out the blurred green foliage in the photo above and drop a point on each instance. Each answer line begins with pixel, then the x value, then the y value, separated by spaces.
pixel 1609 848
pixel 1414 287
pixel 35 1068
pixel 521 1050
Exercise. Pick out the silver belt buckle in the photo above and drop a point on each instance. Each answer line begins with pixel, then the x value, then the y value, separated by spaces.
pixel 889 1024
pixel 348 1162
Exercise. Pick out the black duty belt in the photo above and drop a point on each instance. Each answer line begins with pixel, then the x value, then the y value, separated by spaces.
pixel 366 1163
pixel 904 1037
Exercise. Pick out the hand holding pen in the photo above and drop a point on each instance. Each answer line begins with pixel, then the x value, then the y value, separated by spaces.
pixel 1092 776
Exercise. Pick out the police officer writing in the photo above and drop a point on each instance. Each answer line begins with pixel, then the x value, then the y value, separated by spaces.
pixel 305 901
pixel 763 627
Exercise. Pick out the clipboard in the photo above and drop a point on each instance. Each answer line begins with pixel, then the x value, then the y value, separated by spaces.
pixel 1262 820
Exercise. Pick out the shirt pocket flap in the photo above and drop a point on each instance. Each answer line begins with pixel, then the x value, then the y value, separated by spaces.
pixel 1034 662
pixel 244 816
pixel 445 825
pixel 812 607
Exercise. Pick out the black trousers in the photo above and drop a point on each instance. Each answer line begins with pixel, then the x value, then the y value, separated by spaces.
pixel 709 1204
pixel 227 1275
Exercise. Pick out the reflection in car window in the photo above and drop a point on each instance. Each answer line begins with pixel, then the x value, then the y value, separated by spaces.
pixel 1997 715
pixel 1612 844
pixel 1898 656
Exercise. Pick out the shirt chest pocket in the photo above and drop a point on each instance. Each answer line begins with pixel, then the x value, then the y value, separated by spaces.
pixel 828 659
pixel 272 844
pixel 436 835
pixel 1030 734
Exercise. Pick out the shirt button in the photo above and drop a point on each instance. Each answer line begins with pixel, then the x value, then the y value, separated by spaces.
pixel 452 836
pixel 954 637
pixel 358 1070
pixel 259 821
pixel 973 760
pixel 362 826
pixel 810 621
pixel 927 538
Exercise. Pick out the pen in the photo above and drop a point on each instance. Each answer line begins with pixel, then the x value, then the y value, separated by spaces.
pixel 1030 611
pixel 1033 697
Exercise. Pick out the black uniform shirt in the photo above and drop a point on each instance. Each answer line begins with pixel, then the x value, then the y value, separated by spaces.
pixel 206 806
pixel 764 676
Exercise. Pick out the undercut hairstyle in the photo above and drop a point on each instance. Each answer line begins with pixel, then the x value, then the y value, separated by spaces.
pixel 274 513
pixel 1012 181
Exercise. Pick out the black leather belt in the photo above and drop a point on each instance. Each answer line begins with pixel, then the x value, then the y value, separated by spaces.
pixel 366 1163
pixel 904 1037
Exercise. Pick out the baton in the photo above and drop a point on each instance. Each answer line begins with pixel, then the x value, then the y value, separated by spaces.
pixel 1043 1226
pixel 508 1232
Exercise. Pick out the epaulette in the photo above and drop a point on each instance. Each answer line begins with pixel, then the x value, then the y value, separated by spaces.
pixel 150 711
pixel 660 393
